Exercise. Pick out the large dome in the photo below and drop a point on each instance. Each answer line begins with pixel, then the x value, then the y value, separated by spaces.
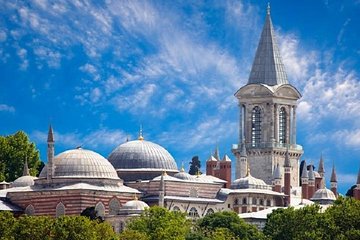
pixel 81 163
pixel 141 154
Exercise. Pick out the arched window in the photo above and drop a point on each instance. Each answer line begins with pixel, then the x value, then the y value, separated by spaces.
pixel 193 213
pixel 256 126
pixel 176 209
pixel 209 211
pixel 244 201
pixel 261 202
pixel 236 201
pixel 282 125
pixel 254 202
pixel 268 202
pixel 30 210
pixel 100 210
pixel 60 209
pixel 114 206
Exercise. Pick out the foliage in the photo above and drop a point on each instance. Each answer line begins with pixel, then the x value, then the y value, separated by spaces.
pixel 132 234
pixel 91 213
pixel 159 223
pixel 48 228
pixel 220 222
pixel 14 149
pixel 350 191
pixel 195 165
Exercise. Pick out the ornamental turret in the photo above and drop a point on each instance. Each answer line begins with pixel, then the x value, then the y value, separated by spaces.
pixel 50 154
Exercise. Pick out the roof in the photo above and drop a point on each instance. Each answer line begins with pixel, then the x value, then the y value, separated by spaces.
pixel 304 173
pixel 135 205
pixel 228 191
pixel 321 168
pixel 141 154
pixel 267 67
pixel 333 177
pixel 226 158
pixel 81 163
pixel 50 135
pixel 311 173
pixel 24 181
pixel 323 194
pixel 5 206
pixel 185 199
pixel 277 172
pixel 249 182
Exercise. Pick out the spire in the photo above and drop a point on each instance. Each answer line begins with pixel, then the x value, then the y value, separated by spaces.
pixel 226 158
pixel 216 153
pixel 277 173
pixel 267 67
pixel 248 170
pixel 50 138
pixel 26 171
pixel 287 158
pixel 141 133
pixel 321 168
pixel 333 174
pixel 304 173
pixel 243 149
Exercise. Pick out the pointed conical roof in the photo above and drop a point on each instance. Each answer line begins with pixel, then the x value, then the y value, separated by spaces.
pixel 50 135
pixel 277 172
pixel 226 158
pixel 216 153
pixel 243 150
pixel 304 173
pixel 287 158
pixel 311 173
pixel 267 67
pixel 211 158
pixel 321 168
pixel 26 171
pixel 333 175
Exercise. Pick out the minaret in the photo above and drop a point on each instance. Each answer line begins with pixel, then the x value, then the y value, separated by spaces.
pixel 26 171
pixel 242 163
pixel 162 190
pixel 333 181
pixel 321 170
pixel 267 105
pixel 311 186
pixel 357 188
pixel 287 177
pixel 277 179
pixel 216 153
pixel 304 182
pixel 50 154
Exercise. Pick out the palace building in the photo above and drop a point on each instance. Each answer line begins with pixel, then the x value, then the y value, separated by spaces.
pixel 267 165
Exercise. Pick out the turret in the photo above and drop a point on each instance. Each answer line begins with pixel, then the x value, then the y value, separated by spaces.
pixel 287 178
pixel 211 165
pixel 50 154
pixel 277 179
pixel 311 186
pixel 241 172
pixel 333 181
pixel 304 182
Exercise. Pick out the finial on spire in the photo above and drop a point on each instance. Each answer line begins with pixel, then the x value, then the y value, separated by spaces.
pixel 247 169
pixel 135 197
pixel 141 133
pixel 182 167
pixel 50 135
pixel 333 174
pixel 268 8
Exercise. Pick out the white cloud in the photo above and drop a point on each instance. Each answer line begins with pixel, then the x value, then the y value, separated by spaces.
pixel 6 108
pixel 91 70
pixel 3 36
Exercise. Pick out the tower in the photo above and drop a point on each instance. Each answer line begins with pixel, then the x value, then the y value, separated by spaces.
pixel 268 112
pixel 225 170
pixel 311 186
pixel 241 162
pixel 304 182
pixel 287 178
pixel 333 181
pixel 320 178
pixel 50 154
pixel 277 179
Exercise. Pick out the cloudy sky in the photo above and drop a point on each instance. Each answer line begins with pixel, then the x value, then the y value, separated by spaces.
pixel 97 70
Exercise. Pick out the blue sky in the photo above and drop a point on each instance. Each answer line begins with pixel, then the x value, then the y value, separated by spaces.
pixel 97 70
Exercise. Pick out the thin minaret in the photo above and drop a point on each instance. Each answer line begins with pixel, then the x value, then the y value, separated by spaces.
pixel 26 171
pixel 277 179
pixel 311 186
pixel 333 180
pixel 50 153
pixel 287 178
pixel 162 191
pixel 243 161
pixel 304 182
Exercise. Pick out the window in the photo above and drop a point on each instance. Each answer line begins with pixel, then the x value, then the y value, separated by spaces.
pixel 268 202
pixel 244 201
pixel 30 210
pixel 60 209
pixel 254 201
pixel 282 125
pixel 261 202
pixel 100 210
pixel 209 211
pixel 114 206
pixel 256 126
pixel 193 213
pixel 236 201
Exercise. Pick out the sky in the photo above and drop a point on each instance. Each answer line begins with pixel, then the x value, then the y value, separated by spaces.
pixel 97 70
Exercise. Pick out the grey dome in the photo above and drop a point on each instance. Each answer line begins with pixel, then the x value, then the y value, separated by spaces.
pixel 249 182
pixel 184 175
pixel 135 205
pixel 81 163
pixel 24 181
pixel 141 154
pixel 323 194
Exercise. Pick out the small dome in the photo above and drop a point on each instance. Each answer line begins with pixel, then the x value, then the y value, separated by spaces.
pixel 323 194
pixel 24 181
pixel 135 205
pixel 81 163
pixel 141 154
pixel 184 175
pixel 249 182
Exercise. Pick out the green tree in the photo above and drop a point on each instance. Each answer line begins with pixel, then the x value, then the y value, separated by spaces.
pixel 128 234
pixel 103 231
pixel 14 149
pixel 35 228
pixel 228 220
pixel 296 224
pixel 7 225
pixel 73 228
pixel 159 223
pixel 344 217
pixel 195 165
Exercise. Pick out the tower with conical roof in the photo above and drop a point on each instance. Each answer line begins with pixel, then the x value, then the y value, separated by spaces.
pixel 304 182
pixel 50 154
pixel 268 112
pixel 287 178
pixel 333 181
pixel 311 186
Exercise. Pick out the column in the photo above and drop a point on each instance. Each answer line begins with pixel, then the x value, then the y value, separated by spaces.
pixel 272 130
pixel 240 124
pixel 288 126
pixel 294 125
pixel 276 123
